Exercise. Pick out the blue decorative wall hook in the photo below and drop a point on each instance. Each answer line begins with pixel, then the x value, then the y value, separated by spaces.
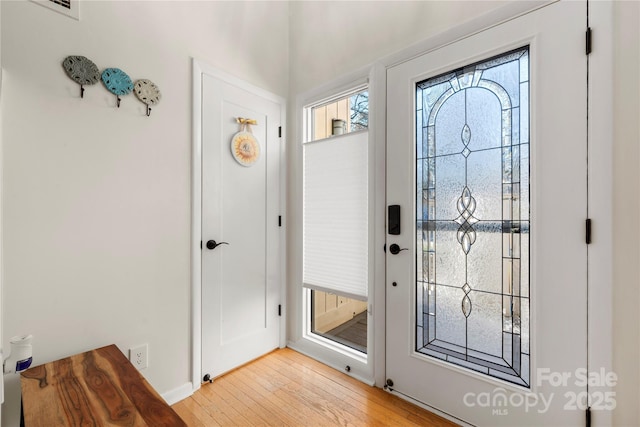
pixel 117 82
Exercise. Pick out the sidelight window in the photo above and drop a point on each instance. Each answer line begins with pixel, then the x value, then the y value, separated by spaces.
pixel 335 218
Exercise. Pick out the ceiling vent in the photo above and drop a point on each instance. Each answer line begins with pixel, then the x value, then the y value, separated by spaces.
pixel 65 7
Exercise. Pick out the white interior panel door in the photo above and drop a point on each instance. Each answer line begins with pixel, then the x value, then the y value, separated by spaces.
pixel 486 155
pixel 240 226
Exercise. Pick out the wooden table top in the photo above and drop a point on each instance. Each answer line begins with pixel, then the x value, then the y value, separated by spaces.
pixel 97 388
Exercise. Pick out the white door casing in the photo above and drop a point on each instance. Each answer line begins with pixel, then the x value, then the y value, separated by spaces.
pixel 241 280
pixel 555 35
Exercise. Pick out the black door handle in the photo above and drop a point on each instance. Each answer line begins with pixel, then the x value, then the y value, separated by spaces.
pixel 395 249
pixel 211 244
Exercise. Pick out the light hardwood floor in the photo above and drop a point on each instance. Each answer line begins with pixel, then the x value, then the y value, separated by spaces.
pixel 286 388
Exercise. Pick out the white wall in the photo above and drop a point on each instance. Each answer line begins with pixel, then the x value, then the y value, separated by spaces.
pixel 334 38
pixel 97 199
pixel 319 54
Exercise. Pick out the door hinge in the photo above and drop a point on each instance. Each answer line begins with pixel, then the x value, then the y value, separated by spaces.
pixel 200 244
pixel 588 231
pixel 588 418
pixel 279 309
pixel 588 41
pixel 279 220
pixel 279 131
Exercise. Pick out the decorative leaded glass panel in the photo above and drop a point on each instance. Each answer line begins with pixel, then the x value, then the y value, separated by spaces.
pixel 472 217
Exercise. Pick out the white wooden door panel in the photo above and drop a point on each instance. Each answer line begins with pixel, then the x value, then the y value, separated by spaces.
pixel 241 276
pixel 556 271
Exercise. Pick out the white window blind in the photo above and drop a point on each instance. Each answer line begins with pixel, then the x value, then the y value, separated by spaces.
pixel 335 215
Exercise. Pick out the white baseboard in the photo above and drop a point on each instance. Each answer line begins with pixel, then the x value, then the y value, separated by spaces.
pixel 178 394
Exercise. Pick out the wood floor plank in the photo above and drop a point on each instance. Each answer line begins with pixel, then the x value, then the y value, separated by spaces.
pixel 214 410
pixel 305 414
pixel 226 414
pixel 376 412
pixel 292 413
pixel 286 388
pixel 331 390
pixel 243 414
pixel 276 416
pixel 371 396
pixel 247 407
pixel 194 415
pixel 390 401
pixel 334 411
pixel 188 416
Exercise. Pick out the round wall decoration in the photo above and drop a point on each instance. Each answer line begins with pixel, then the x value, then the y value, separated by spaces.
pixel 81 70
pixel 146 91
pixel 117 82
pixel 245 148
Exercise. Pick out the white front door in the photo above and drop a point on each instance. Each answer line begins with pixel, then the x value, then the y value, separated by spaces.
pixel 486 149
pixel 241 277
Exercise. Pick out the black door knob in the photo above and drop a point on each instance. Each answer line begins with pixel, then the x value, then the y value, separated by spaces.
pixel 395 249
pixel 211 244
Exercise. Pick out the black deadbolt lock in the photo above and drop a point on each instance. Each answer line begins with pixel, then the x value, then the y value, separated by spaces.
pixel 393 219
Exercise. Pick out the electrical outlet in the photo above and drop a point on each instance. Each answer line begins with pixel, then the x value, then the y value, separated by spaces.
pixel 139 356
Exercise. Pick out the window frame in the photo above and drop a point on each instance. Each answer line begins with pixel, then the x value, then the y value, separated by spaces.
pixel 309 125
pixel 361 366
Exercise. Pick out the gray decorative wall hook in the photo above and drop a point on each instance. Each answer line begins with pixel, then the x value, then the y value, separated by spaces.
pixel 81 70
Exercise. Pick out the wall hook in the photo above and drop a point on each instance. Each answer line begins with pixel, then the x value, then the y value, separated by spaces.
pixel 246 123
pixel 81 70
pixel 243 121
pixel 117 82
pixel 147 92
